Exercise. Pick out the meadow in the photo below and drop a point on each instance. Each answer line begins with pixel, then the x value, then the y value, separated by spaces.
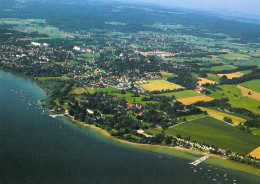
pixel 236 99
pixel 214 132
pixel 253 85
pixel 158 85
pixel 220 115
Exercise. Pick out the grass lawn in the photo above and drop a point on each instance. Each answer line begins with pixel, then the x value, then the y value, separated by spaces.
pixel 182 94
pixel 220 115
pixel 155 85
pixel 236 99
pixel 253 85
pixel 217 133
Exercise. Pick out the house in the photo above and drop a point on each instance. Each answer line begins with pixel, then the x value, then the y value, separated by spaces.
pixel 77 48
pixel 36 44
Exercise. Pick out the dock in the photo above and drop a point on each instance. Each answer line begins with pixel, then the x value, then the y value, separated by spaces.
pixel 56 115
pixel 198 161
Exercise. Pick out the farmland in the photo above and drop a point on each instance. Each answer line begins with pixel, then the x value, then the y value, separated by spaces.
pixel 220 115
pixel 78 90
pixel 236 99
pixel 158 85
pixel 167 74
pixel 255 153
pixel 253 85
pixel 235 56
pixel 213 77
pixel 204 81
pixel 232 75
pixel 215 132
pixel 249 93
pixel 224 67
pixel 182 94
pixel 191 100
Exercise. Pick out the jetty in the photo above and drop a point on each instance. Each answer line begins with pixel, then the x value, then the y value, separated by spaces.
pixel 198 161
pixel 56 115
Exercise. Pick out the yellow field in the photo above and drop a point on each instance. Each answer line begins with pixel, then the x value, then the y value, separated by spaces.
pixel 220 115
pixel 159 85
pixel 78 91
pixel 191 100
pixel 204 81
pixel 232 75
pixel 165 73
pixel 245 91
pixel 255 153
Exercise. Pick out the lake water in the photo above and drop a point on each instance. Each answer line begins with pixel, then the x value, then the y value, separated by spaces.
pixel 35 148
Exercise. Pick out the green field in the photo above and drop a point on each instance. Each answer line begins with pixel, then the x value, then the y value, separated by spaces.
pixel 213 77
pixel 255 131
pixel 223 67
pixel 43 79
pixel 90 56
pixel 194 117
pixel 217 133
pixel 253 85
pixel 182 94
pixel 235 56
pixel 236 99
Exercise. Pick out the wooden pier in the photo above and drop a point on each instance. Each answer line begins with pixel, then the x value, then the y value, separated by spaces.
pixel 202 159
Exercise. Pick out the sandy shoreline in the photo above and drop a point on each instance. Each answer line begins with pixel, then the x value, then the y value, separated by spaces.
pixel 214 160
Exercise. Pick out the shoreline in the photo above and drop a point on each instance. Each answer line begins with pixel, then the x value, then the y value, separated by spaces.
pixel 166 150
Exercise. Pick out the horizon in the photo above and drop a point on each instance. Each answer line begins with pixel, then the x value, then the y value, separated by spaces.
pixel 239 7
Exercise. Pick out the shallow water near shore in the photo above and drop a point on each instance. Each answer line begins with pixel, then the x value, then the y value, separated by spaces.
pixel 35 148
